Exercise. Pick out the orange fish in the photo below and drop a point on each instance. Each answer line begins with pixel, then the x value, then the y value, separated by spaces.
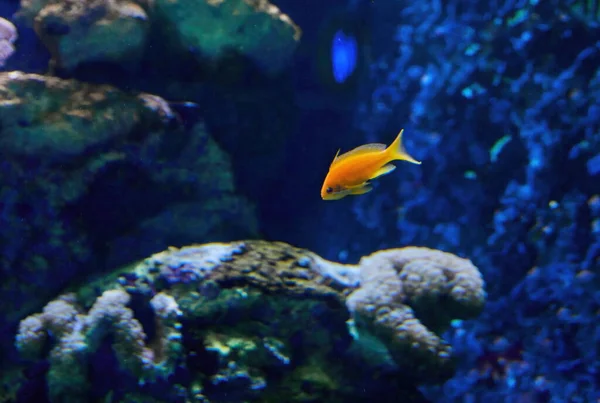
pixel 350 172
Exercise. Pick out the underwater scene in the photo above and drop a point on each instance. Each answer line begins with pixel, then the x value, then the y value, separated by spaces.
pixel 299 201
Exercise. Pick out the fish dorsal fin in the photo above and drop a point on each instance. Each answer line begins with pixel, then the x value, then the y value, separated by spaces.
pixel 334 158
pixel 364 149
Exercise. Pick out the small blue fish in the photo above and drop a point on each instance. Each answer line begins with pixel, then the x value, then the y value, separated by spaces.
pixel 344 54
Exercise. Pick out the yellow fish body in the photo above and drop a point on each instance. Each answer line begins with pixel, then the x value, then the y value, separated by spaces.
pixel 350 172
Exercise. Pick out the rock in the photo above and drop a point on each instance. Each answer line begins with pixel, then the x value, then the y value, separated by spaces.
pixel 255 29
pixel 93 176
pixel 59 120
pixel 77 32
pixel 117 32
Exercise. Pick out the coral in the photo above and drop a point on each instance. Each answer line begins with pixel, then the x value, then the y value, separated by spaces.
pixel 407 297
pixel 255 320
pixel 75 336
pixel 539 341
pixel 510 128
pixel 61 321
pixel 484 96
pixel 87 172
pixel 8 36
pixel 78 32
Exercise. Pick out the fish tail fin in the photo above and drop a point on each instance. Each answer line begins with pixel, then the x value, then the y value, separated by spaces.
pixel 397 151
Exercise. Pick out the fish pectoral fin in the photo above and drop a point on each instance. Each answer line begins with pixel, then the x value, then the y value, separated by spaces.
pixel 360 186
pixel 386 169
pixel 337 196
pixel 361 190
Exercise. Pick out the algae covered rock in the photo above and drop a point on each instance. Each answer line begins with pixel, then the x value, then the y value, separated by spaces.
pixel 247 321
pixel 89 174
pixel 121 32
pixel 255 29
pixel 77 32
pixel 58 120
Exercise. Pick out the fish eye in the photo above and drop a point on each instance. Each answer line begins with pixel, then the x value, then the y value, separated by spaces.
pixel 329 190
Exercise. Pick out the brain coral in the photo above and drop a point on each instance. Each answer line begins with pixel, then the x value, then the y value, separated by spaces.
pixel 408 296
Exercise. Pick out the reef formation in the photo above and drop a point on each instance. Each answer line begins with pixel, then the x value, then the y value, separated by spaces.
pixel 253 321
pixel 177 135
